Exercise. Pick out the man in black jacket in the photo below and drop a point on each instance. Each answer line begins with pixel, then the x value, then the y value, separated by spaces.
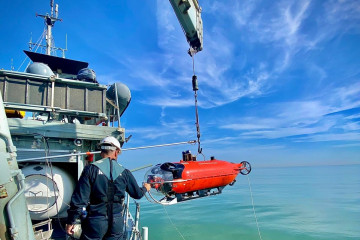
pixel 101 192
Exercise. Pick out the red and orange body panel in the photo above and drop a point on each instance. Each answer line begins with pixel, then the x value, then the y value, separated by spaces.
pixel 198 175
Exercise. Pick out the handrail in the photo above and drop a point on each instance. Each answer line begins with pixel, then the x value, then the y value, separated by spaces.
pixel 46 78
pixel 21 178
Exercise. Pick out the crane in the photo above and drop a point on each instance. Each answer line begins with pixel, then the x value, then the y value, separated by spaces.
pixel 188 12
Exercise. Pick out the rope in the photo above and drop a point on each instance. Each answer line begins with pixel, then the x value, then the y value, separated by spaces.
pixel 173 224
pixel 253 206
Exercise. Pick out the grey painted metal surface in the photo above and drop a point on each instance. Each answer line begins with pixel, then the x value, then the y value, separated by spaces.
pixel 119 95
pixel 65 94
pixel 188 13
pixel 39 69
pixel 15 222
pixel 58 129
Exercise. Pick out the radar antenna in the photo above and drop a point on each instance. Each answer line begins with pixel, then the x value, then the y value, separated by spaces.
pixel 50 22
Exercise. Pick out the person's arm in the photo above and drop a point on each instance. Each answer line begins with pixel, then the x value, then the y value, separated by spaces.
pixel 133 188
pixel 79 199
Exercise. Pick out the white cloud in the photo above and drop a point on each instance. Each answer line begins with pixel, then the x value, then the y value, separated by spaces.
pixel 350 136
pixel 244 126
pixel 322 119
pixel 177 129
pixel 149 133
pixel 352 126
pixel 288 131
pixel 348 145
pixel 165 23
pixel 346 97
pixel 168 72
pixel 171 73
pixel 169 101
pixel 303 112
pixel 354 116
pixel 343 13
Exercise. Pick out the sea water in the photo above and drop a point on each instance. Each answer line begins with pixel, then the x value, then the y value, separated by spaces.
pixel 291 203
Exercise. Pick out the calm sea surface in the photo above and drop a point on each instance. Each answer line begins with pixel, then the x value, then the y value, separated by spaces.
pixel 295 203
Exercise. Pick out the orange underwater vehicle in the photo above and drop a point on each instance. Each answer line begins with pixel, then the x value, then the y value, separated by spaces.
pixel 190 179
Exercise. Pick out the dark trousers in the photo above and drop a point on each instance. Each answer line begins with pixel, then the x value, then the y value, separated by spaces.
pixel 97 228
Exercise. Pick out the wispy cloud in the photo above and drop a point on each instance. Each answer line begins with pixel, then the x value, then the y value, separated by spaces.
pixel 322 119
pixel 248 49
pixel 169 70
pixel 354 116
pixel 350 136
pixel 149 133
pixel 348 145
pixel 288 131
pixel 178 129
pixel 277 24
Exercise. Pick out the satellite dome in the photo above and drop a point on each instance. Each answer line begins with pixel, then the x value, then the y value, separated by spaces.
pixel 87 75
pixel 123 95
pixel 39 69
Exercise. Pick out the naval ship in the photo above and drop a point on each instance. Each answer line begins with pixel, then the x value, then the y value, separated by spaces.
pixel 53 116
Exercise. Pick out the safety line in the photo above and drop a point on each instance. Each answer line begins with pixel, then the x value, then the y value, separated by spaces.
pixel 173 224
pixel 160 145
pixel 97 152
pixel 253 206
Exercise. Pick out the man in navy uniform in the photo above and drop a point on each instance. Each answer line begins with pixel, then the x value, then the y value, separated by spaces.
pixel 101 191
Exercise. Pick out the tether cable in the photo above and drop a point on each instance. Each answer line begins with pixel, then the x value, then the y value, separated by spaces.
pixel 253 206
pixel 182 236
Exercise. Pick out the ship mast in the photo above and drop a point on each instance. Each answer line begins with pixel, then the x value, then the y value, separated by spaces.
pixel 50 21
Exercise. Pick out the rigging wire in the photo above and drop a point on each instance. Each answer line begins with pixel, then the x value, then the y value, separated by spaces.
pixel 38 42
pixel 22 63
pixel 253 206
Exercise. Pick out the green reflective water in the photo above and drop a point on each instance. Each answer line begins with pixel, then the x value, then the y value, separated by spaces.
pixel 297 203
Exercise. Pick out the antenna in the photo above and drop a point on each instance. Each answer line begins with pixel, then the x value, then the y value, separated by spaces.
pixel 50 22
pixel 30 42
pixel 52 7
pixel 63 50
pixel 56 10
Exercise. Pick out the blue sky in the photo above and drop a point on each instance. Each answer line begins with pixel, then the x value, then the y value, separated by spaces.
pixel 279 82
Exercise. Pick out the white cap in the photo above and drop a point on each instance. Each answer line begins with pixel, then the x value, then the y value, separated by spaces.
pixel 110 141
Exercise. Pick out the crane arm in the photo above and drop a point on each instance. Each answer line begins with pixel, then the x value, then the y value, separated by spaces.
pixel 188 13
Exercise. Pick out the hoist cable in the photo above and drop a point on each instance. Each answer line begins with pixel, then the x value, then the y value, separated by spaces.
pixel 195 89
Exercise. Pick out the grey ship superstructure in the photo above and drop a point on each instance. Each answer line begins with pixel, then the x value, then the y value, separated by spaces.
pixel 52 116
pixel 57 112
